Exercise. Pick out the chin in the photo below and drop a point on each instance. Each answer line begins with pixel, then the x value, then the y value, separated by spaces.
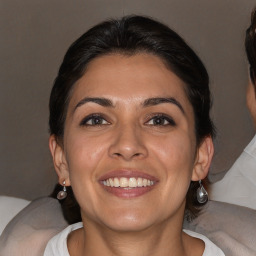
pixel 128 226
pixel 128 221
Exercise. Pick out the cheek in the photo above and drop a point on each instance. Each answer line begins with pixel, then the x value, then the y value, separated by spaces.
pixel 84 154
pixel 85 159
pixel 177 149
pixel 175 159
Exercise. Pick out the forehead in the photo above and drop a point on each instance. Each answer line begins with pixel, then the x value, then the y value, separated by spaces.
pixel 122 77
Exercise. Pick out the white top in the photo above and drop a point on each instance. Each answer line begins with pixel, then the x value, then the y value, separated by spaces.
pixel 57 246
pixel 238 186
pixel 9 207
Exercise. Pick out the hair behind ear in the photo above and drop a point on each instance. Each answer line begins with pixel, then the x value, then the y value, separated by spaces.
pixel 192 205
pixel 201 169
pixel 69 205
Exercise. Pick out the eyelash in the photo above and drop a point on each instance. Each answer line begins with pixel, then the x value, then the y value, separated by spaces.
pixel 92 118
pixel 163 118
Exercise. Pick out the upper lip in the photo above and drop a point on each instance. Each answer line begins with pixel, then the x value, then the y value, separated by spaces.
pixel 127 173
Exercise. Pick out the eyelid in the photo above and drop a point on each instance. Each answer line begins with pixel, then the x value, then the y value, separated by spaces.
pixel 161 115
pixel 91 116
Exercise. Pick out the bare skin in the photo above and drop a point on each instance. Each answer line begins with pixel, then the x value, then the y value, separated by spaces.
pixel 251 101
pixel 153 241
pixel 129 117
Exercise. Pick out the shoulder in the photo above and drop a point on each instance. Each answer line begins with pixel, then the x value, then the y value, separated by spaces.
pixel 231 227
pixel 30 230
pixel 241 175
pixel 58 244
pixel 210 248
pixel 251 148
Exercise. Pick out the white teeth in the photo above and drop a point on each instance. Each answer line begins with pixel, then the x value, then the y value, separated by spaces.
pixel 124 182
pixel 116 183
pixel 145 182
pixel 139 181
pixel 132 183
pixel 111 183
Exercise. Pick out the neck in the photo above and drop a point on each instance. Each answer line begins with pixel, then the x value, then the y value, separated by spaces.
pixel 162 239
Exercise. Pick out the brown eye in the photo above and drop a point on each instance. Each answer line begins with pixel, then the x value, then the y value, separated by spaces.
pixel 94 120
pixel 161 120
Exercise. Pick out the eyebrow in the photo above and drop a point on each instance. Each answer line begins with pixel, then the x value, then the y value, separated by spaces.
pixel 147 103
pixel 155 101
pixel 101 101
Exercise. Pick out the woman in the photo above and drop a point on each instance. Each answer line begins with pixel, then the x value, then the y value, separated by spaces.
pixel 131 133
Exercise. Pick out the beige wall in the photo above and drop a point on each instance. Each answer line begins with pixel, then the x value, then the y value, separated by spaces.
pixel 34 37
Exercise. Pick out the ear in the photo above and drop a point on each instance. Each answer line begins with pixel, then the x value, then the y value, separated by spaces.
pixel 59 160
pixel 203 159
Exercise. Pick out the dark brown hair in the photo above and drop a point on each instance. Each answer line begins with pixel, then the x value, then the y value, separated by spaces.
pixel 128 36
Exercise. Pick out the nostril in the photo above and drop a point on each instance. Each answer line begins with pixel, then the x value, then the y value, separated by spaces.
pixel 125 155
pixel 117 154
pixel 127 147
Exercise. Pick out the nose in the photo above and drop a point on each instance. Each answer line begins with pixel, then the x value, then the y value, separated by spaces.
pixel 128 144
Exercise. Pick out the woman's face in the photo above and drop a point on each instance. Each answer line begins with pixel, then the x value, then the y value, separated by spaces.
pixel 129 148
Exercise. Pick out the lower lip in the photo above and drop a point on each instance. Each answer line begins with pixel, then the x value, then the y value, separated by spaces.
pixel 128 193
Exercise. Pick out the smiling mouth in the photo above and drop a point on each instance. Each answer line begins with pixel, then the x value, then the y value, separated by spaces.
pixel 128 183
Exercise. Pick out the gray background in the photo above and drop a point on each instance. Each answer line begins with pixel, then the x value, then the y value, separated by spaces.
pixel 34 37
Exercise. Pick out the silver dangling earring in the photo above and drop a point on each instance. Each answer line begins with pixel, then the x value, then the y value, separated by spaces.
pixel 201 194
pixel 63 193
